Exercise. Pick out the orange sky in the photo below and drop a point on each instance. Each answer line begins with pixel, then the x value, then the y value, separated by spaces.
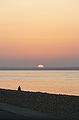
pixel 34 32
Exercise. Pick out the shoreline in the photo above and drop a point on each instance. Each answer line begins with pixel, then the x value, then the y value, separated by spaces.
pixel 55 105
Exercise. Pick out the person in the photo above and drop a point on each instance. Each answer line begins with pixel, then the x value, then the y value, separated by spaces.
pixel 19 88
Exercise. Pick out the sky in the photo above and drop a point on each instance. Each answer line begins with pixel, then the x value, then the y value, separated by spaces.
pixel 39 32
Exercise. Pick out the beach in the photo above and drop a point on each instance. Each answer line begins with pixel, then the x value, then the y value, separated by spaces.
pixel 40 105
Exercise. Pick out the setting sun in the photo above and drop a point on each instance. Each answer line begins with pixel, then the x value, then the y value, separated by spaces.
pixel 39 59
pixel 40 66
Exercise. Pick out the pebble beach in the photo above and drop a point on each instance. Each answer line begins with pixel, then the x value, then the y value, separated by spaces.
pixel 55 105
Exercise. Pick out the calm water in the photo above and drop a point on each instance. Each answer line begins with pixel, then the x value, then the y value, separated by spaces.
pixel 65 82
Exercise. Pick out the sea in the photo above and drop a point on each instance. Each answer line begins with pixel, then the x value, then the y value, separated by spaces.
pixel 47 81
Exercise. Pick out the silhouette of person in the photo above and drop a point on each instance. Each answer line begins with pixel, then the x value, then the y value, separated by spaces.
pixel 19 88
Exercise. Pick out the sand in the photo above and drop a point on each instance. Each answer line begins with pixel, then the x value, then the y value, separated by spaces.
pixel 57 106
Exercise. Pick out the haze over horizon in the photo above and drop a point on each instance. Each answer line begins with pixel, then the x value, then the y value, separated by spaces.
pixel 39 32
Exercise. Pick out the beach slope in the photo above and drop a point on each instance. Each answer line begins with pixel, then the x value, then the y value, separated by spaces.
pixel 36 105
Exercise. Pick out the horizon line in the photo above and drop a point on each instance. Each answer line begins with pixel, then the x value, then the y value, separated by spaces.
pixel 36 68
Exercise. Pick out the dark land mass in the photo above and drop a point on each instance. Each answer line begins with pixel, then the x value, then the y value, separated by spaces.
pixel 5 115
pixel 60 107
pixel 36 68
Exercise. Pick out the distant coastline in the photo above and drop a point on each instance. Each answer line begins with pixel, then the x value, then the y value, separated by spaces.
pixel 35 68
